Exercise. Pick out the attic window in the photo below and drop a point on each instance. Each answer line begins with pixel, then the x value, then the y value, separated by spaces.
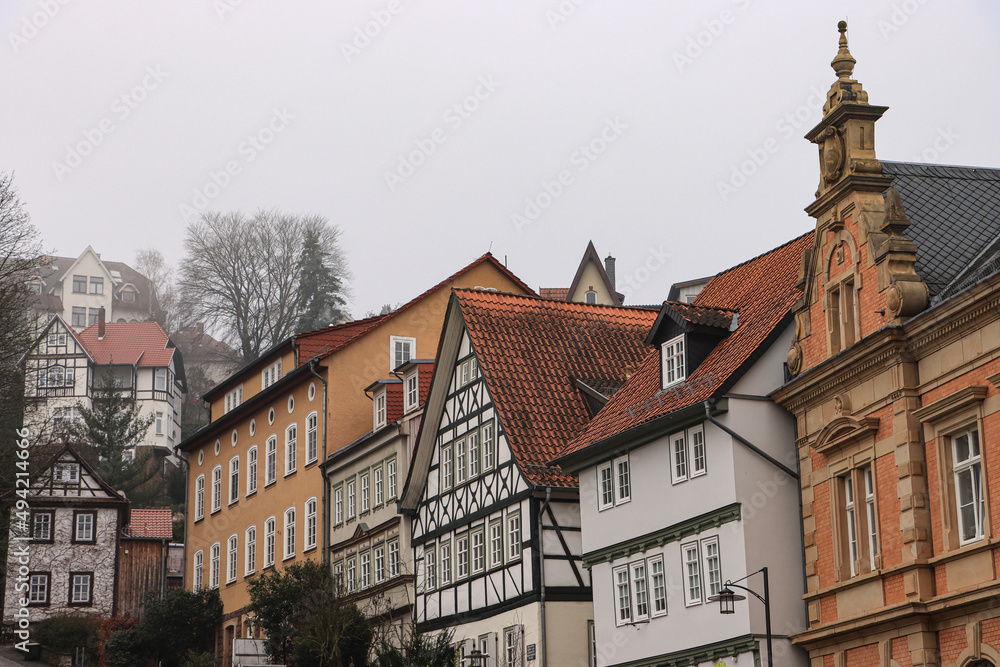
pixel 35 287
pixel 380 409
pixel 672 361
pixel 591 296
pixel 128 296
pixel 412 391
pixel 401 350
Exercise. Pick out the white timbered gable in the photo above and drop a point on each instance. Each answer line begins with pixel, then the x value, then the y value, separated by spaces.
pixel 68 478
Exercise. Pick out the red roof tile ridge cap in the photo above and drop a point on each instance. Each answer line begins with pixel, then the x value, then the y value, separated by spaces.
pixel 542 299
pixel 341 326
pixel 759 256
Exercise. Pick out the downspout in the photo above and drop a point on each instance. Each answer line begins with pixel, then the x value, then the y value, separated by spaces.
pixel 326 521
pixel 754 448
pixel 541 572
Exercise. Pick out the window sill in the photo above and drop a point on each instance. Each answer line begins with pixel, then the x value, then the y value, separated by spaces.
pixel 308 549
pixel 251 494
pixel 289 473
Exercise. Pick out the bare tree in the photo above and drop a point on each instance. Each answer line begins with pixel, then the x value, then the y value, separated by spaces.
pixel 243 276
pixel 150 263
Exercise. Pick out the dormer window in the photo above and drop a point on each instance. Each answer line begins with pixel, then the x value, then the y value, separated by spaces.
pixel 380 409
pixel 401 350
pixel 672 361
pixel 591 296
pixel 34 287
pixel 128 296
pixel 412 393
pixel 270 375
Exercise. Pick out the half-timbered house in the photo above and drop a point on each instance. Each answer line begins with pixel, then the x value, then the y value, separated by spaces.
pixel 496 531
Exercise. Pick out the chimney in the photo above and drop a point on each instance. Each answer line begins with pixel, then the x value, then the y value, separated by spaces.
pixel 609 268
pixel 100 324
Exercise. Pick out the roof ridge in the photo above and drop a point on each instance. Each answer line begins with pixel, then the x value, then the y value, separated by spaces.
pixel 542 299
pixel 798 238
pixel 928 165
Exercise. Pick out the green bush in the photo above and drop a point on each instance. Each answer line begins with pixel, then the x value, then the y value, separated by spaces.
pixel 199 660
pixel 66 632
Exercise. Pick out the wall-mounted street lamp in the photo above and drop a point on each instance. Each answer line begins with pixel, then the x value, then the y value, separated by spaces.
pixel 727 603
pixel 476 658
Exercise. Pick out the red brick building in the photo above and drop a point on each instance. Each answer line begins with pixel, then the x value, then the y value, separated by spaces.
pixel 896 367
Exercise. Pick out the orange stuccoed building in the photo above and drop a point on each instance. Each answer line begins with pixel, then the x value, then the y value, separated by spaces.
pixel 893 382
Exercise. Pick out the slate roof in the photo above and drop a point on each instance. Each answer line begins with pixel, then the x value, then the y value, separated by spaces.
pixel 763 291
pixel 954 215
pixel 136 343
pixel 150 523
pixel 531 350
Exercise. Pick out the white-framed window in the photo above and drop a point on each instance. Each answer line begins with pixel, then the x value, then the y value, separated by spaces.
pixel 444 550
pixel 338 574
pixel 84 526
pixel 199 570
pixel 699 458
pixel 430 568
pixel 252 470
pixel 213 568
pixel 159 423
pixel 614 480
pixel 379 489
pixel 496 543
pixel 623 480
pixel 199 498
pixel 351 499
pixel 856 526
pixel 474 460
pixel 640 591
pixel 216 489
pixel 606 484
pixel 338 505
pixel 712 565
pixel 82 588
pixel 623 595
pixel 312 438
pixel 969 497
pixel 160 379
pixel 365 561
pixel 462 557
pixel 231 560
pixel 289 532
pixel 489 446
pixel 460 461
pixel 379 407
pixel 513 536
pixel 291 447
pixel 38 592
pixel 394 562
pixel 691 557
pixel 871 515
pixel 352 574
pixel 513 646
pixel 365 493
pixel 57 340
pixel 269 541
pixel 270 375
pixel 658 586
pixel 378 556
pixel 234 398
pixel 672 361
pixel 234 479
pixel 41 525
pixel 401 350
pixel 96 285
pixel 678 457
pixel 271 461
pixel 688 457
pixel 447 468
pixel 850 512
pixel 310 524
pixel 411 393
pixel 390 476
pixel 478 551
pixel 251 550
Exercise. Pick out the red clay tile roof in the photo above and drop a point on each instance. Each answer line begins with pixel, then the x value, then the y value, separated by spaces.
pixel 140 343
pixel 151 523
pixel 695 313
pixel 557 293
pixel 762 290
pixel 531 350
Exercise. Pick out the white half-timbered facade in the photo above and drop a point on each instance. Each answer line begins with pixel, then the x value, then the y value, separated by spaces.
pixel 63 542
pixel 496 533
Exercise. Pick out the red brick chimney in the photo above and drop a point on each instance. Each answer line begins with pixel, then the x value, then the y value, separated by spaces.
pixel 100 324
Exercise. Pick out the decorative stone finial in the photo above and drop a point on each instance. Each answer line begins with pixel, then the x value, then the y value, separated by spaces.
pixel 844 63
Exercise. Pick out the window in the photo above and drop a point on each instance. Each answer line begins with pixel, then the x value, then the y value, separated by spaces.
pixel 65 417
pixel 84 527
pixel 234 398
pixel 688 457
pixel 57 340
pixel 856 525
pixel 460 463
pixel 692 573
pixel 291 448
pixel 271 461
pixel 672 361
pixel 871 516
pixel 234 479
pixel 41 526
pixel 79 316
pixel 96 285
pixel 512 646
pixel 379 489
pixel 699 465
pixel 379 410
pixel 79 284
pixel 311 438
pixel 513 536
pixel 365 497
pixel 623 595
pixel 199 498
pixel 678 453
pixel 640 590
pixel 614 482
pixel 56 376
pixel 67 473
pixel 270 375
pixel 338 505
pixel 591 296
pixel 478 551
pixel 338 574
pixel 640 593
pixel 462 557
pixel 82 588
pixel 658 585
pixel 252 470
pixel 969 498
pixel 199 570
pixel 366 570
pixel 401 350
pixel 842 314
pixel 310 524
pixel 38 588
pixel 216 489
pixel 34 287
pixel 231 560
pixel 289 532
pixel 430 569
pixel 159 423
pixel 269 542
pixel 412 393
pixel 713 565
pixel 474 454
pixel 213 568
pixel 444 551
pixel 489 447
pixel 160 379
pixel 606 481
pixel 496 544
pixel 251 549
pixel 128 296
pixel 379 558
pixel 623 488
pixel 352 574
pixel 447 478
pixel 394 563
pixel 390 474
pixel 350 499
pixel 93 316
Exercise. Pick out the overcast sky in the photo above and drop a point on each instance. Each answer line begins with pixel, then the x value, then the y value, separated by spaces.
pixel 433 131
